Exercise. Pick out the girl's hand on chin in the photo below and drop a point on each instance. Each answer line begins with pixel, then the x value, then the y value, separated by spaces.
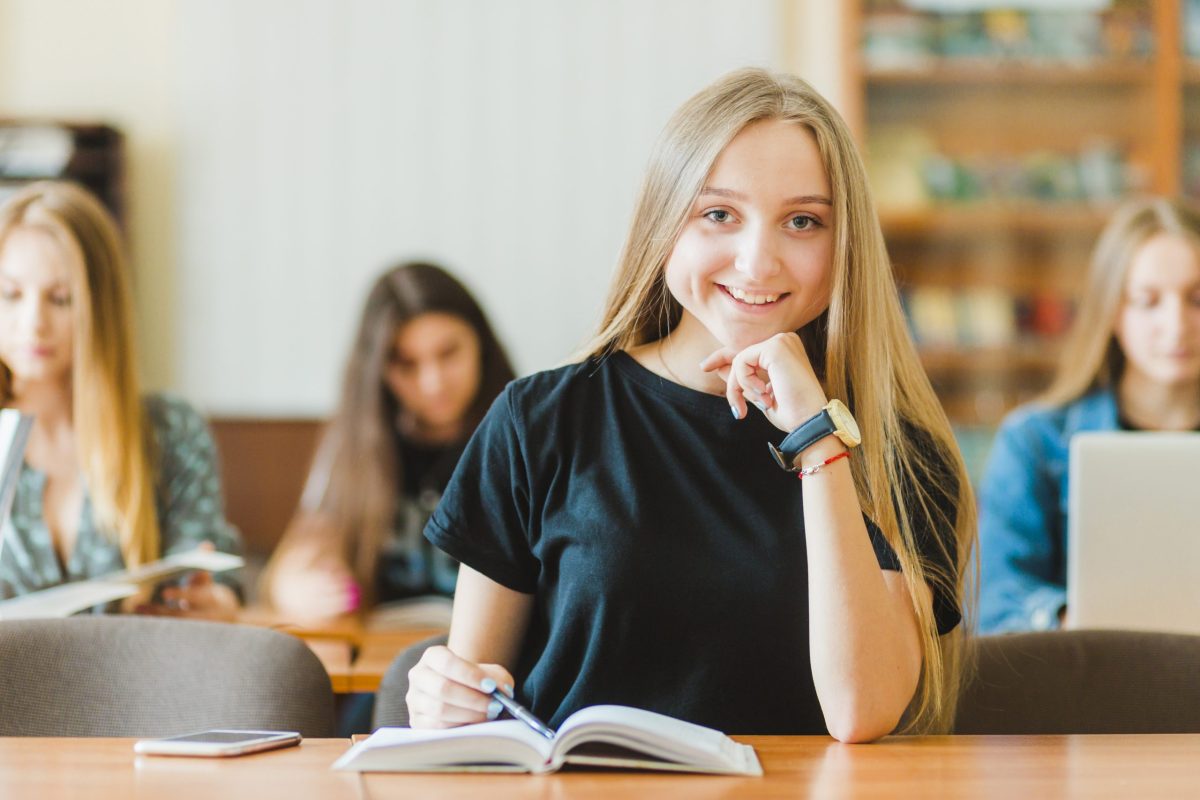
pixel 775 375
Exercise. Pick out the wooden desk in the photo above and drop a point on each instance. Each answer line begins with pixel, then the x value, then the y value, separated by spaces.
pixel 1165 766
pixel 337 657
pixel 378 650
pixel 108 769
pixel 356 651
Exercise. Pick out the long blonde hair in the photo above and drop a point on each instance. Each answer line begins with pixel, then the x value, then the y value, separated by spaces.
pixel 860 346
pixel 111 431
pixel 1092 358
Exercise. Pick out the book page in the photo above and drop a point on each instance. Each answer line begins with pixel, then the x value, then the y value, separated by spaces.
pixel 491 746
pixel 65 599
pixel 71 598
pixel 657 736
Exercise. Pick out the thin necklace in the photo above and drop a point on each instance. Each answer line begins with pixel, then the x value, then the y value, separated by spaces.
pixel 667 367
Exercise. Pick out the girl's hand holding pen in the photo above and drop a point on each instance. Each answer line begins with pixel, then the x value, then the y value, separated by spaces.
pixel 445 690
pixel 775 375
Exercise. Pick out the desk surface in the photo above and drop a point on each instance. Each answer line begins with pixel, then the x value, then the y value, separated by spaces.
pixel 968 766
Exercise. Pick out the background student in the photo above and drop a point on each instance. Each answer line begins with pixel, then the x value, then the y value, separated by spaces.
pixel 627 539
pixel 1131 362
pixel 424 368
pixel 111 479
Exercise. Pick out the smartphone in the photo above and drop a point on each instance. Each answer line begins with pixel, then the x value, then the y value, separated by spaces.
pixel 217 743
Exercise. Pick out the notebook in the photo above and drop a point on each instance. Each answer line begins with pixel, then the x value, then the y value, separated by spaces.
pixel 597 736
pixel 1133 544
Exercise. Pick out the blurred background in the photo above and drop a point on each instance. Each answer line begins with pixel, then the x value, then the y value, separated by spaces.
pixel 268 157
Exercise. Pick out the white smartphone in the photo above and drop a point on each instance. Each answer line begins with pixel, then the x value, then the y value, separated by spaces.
pixel 217 743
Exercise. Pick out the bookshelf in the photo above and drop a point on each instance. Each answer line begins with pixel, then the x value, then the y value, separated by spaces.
pixel 91 154
pixel 998 143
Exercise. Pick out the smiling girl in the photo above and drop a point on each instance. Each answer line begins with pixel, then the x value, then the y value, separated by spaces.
pixel 626 531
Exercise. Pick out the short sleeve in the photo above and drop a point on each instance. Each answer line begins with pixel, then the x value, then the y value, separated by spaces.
pixel 191 509
pixel 483 518
pixel 936 534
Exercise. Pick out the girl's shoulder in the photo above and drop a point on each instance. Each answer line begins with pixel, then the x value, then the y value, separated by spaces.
pixel 174 421
pixel 556 390
pixel 1096 410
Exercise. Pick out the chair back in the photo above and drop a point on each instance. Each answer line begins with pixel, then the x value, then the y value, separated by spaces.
pixel 391 708
pixel 1094 681
pixel 148 677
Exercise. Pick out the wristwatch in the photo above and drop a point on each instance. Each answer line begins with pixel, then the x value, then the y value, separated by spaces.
pixel 832 420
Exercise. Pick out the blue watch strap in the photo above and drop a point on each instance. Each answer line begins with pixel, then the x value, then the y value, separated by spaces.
pixel 809 433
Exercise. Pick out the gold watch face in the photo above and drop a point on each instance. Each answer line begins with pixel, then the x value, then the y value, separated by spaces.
pixel 847 428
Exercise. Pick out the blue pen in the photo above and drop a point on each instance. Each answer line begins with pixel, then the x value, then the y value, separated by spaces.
pixel 514 708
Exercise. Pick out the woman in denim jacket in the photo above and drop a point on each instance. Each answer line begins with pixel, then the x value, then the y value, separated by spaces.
pixel 1132 362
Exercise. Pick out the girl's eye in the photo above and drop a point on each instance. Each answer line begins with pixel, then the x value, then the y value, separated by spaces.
pixel 802 222
pixel 1142 300
pixel 718 215
pixel 61 300
pixel 9 295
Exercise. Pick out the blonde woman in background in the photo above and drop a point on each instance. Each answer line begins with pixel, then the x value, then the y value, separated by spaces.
pixel 423 369
pixel 111 479
pixel 625 538
pixel 1131 362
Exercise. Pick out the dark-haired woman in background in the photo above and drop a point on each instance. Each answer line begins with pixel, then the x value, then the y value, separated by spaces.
pixel 424 368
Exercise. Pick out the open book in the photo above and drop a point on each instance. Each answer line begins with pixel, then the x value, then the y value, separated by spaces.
pixel 602 736
pixel 70 598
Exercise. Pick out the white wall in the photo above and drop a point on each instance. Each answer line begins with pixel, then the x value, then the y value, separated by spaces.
pixel 321 141
pixel 285 151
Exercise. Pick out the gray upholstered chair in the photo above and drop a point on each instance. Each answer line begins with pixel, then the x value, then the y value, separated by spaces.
pixel 140 676
pixel 1084 682
pixel 390 708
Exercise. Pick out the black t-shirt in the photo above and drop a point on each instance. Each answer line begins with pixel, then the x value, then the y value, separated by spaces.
pixel 663 545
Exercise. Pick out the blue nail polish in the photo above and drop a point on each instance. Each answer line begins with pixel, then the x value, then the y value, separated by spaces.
pixel 736 415
pixel 494 709
pixel 487 685
pixel 508 689
pixel 759 405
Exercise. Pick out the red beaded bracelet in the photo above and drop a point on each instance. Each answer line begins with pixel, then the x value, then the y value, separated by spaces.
pixel 802 474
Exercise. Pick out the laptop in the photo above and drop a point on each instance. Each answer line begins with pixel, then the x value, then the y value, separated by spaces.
pixel 1133 544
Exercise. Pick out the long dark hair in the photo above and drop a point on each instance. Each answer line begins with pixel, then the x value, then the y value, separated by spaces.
pixel 356 473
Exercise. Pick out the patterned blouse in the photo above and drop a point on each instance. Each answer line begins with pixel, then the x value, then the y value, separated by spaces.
pixel 188 500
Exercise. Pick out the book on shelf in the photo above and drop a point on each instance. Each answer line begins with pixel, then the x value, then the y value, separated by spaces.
pixel 598 736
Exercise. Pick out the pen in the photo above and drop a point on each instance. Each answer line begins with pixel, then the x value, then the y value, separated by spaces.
pixel 516 709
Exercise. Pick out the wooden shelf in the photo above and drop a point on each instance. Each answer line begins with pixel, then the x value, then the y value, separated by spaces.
pixel 1009 124
pixel 992 218
pixel 980 361
pixel 960 72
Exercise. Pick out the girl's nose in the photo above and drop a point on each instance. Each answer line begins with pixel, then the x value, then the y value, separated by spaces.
pixel 756 257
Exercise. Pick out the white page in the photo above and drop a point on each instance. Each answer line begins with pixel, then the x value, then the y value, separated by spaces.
pixel 422 746
pixel 658 736
pixel 71 598
pixel 207 560
pixel 65 599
